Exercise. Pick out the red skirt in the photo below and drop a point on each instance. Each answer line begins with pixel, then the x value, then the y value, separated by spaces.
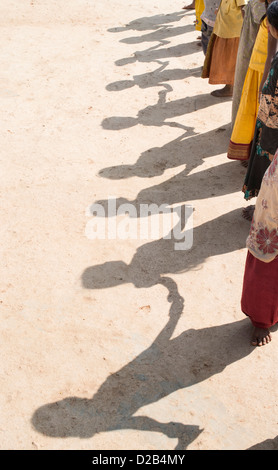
pixel 260 291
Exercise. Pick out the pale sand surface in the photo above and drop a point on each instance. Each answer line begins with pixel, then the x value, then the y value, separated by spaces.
pixel 104 99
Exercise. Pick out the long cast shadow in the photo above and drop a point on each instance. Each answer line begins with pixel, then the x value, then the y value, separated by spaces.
pixel 156 53
pixel 149 23
pixel 161 30
pixel 163 257
pixel 184 150
pixel 155 78
pixel 209 183
pixel 156 115
pixel 165 367
pixel 168 364
pixel 269 444
pixel 161 35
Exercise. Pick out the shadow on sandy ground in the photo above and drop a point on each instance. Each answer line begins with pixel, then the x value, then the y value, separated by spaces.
pixel 212 182
pixel 156 78
pixel 160 257
pixel 269 444
pixel 157 115
pixel 161 30
pixel 166 366
pixel 186 150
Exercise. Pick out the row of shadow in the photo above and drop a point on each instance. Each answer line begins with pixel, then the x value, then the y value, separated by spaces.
pixel 168 364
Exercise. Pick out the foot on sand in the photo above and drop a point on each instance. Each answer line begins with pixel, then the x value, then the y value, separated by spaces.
pixel 260 337
pixel 247 212
pixel 223 92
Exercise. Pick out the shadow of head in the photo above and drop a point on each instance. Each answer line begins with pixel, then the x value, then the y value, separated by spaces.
pixel 191 357
pixel 149 23
pixel 116 123
pixel 164 256
pixel 190 150
pixel 73 417
pixel 110 274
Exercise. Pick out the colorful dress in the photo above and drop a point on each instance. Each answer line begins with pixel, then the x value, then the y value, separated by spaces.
pixel 266 134
pixel 244 126
pixel 220 61
pixel 199 8
pixel 260 293
pixel 253 13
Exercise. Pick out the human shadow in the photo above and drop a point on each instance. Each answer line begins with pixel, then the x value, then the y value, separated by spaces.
pixel 156 115
pixel 166 366
pixel 160 35
pixel 161 31
pixel 163 256
pixel 155 78
pixel 269 444
pixel 208 183
pixel 184 150
pixel 156 53
pixel 149 23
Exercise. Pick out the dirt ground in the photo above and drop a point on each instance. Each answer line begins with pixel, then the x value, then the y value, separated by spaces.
pixel 113 343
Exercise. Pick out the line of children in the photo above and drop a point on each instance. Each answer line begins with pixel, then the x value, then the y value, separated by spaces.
pixel 241 53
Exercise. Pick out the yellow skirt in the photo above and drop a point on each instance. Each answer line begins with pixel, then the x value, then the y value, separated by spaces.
pixel 244 126
pixel 199 8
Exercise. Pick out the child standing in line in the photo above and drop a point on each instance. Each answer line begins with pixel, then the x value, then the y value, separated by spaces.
pixel 208 18
pixel 265 138
pixel 221 56
pixel 260 294
pixel 253 14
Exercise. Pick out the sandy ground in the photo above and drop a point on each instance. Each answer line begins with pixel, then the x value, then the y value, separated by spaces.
pixel 121 343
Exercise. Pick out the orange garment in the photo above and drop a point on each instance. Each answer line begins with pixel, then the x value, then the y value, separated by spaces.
pixel 221 56
pixel 223 61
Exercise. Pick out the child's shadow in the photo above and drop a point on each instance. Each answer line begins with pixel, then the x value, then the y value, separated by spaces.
pixel 166 366
pixel 149 23
pixel 224 234
pixel 155 78
pixel 190 151
pixel 156 115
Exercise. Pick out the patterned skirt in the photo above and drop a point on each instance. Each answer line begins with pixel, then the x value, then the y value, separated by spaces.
pixel 260 159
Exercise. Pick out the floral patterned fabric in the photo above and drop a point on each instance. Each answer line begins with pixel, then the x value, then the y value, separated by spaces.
pixel 262 241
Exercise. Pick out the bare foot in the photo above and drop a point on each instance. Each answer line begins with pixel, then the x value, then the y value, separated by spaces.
pixel 223 92
pixel 261 337
pixel 248 212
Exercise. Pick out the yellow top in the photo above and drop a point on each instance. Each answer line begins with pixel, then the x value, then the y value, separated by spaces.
pixel 259 54
pixel 229 19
